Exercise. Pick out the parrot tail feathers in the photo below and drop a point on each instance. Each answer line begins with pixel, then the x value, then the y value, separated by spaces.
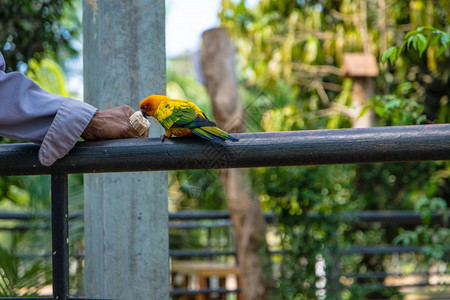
pixel 213 134
pixel 199 131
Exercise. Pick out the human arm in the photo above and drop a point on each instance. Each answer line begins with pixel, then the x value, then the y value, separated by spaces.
pixel 29 113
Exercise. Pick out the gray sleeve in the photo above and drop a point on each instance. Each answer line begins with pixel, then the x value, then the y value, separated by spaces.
pixel 29 113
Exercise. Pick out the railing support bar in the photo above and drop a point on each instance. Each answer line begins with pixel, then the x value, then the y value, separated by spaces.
pixel 60 236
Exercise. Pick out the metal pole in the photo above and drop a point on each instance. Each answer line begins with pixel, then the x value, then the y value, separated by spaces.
pixel 261 149
pixel 60 236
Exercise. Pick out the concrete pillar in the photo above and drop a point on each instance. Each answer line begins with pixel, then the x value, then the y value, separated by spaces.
pixel 126 215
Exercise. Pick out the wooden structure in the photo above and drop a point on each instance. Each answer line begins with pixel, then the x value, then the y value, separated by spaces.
pixel 197 273
pixel 362 69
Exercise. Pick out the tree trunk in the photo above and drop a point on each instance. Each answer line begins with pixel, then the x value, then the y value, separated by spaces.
pixel 218 65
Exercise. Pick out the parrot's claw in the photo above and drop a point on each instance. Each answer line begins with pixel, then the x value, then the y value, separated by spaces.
pixel 163 137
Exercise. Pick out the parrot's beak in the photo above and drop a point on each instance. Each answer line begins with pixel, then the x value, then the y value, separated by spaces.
pixel 144 114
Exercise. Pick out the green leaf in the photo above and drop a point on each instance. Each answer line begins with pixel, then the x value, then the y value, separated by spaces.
pixel 422 43
pixel 401 49
pixel 437 203
pixel 435 40
pixel 445 39
pixel 409 41
pixel 364 110
pixel 411 33
pixel 440 51
pixel 421 203
pixel 425 28
pixel 389 54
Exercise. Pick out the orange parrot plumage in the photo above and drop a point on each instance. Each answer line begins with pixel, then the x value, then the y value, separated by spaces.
pixel 182 118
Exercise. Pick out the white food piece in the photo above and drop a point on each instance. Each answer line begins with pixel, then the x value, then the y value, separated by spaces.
pixel 139 122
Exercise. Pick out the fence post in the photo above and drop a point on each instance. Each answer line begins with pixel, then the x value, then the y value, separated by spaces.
pixel 126 214
pixel 60 236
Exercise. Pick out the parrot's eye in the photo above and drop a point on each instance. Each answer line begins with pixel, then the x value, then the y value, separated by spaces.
pixel 143 107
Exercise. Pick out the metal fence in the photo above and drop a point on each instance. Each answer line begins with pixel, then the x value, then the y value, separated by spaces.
pixel 211 220
pixel 383 144
pixel 194 220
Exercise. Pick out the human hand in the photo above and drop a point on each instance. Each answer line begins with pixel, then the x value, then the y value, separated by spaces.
pixel 112 124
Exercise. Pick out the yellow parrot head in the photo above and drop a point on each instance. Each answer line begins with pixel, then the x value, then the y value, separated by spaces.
pixel 149 105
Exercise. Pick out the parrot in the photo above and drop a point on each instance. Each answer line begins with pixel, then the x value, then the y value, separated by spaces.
pixel 182 118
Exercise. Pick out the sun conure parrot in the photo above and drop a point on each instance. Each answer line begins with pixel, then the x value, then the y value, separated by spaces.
pixel 182 118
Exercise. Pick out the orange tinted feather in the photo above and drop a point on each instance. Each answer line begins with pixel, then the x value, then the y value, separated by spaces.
pixel 181 131
pixel 151 103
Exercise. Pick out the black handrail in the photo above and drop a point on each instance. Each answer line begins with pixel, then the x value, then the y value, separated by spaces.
pixel 309 147
pixel 312 147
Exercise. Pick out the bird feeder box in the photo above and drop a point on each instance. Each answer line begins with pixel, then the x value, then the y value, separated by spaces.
pixel 359 65
pixel 362 69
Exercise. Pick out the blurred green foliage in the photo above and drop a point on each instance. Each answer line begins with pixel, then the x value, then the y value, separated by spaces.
pixel 21 279
pixel 292 50
pixel 48 74
pixel 31 194
pixel 38 28
pixel 419 39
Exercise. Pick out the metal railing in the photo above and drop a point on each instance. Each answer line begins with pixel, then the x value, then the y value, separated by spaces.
pixel 383 144
pixel 192 220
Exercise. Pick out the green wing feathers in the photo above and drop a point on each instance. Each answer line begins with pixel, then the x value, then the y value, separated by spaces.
pixel 183 114
pixel 170 115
